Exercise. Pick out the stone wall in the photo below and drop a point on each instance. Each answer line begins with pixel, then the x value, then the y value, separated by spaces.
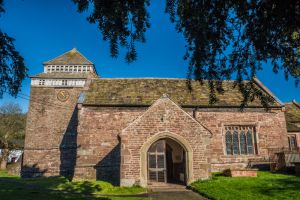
pixel 98 154
pixel 270 130
pixel 50 140
pixel 85 142
pixel 164 119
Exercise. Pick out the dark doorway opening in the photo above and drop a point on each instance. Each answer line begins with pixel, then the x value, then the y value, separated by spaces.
pixel 166 162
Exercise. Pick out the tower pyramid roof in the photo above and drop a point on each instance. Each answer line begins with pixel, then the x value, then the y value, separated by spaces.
pixel 72 57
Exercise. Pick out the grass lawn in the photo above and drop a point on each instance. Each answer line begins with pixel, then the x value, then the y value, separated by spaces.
pixel 266 186
pixel 13 187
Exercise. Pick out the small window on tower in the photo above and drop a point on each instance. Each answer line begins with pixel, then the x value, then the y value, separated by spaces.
pixel 64 82
pixel 41 82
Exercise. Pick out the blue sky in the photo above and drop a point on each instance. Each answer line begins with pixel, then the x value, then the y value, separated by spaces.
pixel 45 29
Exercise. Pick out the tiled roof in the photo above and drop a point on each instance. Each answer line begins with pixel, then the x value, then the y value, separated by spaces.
pixel 292 116
pixel 144 91
pixel 72 57
pixel 65 75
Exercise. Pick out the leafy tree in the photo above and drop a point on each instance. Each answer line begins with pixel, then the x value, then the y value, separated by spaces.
pixel 12 130
pixel 223 38
pixel 12 68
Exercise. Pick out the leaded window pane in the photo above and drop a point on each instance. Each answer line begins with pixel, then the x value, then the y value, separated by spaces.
pixel 243 144
pixel 161 176
pixel 228 141
pixel 160 146
pixel 160 161
pixel 152 148
pixel 152 161
pixel 236 143
pixel 249 142
pixel 152 175
pixel 292 142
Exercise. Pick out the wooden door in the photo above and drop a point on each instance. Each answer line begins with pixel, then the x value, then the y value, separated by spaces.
pixel 157 162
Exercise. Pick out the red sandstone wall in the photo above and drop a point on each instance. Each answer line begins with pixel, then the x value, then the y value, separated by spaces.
pixel 270 129
pixel 47 121
pixel 98 155
pixel 167 119
pixel 99 128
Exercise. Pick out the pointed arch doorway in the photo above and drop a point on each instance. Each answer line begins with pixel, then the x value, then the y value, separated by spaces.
pixel 166 162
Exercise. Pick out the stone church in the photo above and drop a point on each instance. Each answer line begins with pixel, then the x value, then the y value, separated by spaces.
pixel 144 130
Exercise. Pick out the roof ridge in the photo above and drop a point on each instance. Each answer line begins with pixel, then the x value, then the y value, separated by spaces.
pixel 157 78
pixel 63 54
pixel 81 55
pixel 57 56
pixel 296 103
pixel 267 90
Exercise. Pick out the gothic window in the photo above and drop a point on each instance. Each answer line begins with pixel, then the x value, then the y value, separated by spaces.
pixel 250 142
pixel 235 141
pixel 240 140
pixel 228 141
pixel 292 142
pixel 243 143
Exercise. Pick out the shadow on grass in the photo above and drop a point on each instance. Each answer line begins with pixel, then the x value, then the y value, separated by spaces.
pixel 286 186
pixel 47 188
pixel 32 178
pixel 84 187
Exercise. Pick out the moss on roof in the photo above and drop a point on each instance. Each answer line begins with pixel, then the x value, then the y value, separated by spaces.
pixel 292 116
pixel 72 57
pixel 144 91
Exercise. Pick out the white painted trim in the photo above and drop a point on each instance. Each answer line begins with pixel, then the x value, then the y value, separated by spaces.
pixel 57 82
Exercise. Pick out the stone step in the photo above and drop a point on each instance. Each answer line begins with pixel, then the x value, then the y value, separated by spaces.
pixel 161 187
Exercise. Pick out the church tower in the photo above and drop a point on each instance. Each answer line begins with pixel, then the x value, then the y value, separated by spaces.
pixel 70 69
pixel 51 129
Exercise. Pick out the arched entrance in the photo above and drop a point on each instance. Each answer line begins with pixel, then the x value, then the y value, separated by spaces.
pixel 166 162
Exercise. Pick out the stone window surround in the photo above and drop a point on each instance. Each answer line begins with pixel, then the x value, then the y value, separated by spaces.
pixel 180 140
pixel 295 140
pixel 223 131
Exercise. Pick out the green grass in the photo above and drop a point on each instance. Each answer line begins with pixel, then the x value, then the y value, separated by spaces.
pixel 13 187
pixel 264 187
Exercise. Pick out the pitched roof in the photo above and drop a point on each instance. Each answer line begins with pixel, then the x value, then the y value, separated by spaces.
pixel 145 91
pixel 72 57
pixel 59 75
pixel 292 116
